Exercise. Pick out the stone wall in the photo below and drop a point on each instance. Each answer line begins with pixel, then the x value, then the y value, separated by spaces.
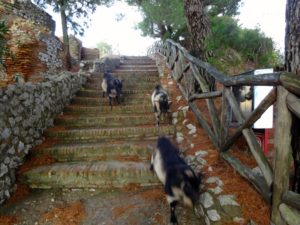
pixel 90 53
pixel 28 11
pixel 75 50
pixel 31 40
pixel 26 110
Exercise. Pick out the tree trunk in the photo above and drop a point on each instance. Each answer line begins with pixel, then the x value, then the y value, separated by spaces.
pixel 198 26
pixel 65 33
pixel 292 37
pixel 282 147
pixel 292 64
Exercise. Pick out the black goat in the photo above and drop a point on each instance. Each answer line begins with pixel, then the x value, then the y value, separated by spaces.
pixel 179 180
pixel 112 87
pixel 160 102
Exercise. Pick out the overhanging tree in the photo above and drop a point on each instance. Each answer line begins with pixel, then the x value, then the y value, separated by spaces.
pixel 166 19
pixel 74 15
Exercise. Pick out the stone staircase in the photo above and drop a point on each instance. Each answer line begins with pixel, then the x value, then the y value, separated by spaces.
pixel 96 147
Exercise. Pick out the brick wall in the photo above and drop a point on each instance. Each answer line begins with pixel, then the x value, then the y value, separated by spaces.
pixel 31 40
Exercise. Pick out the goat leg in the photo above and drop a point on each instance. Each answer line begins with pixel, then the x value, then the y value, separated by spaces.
pixel 110 103
pixel 173 219
pixel 157 116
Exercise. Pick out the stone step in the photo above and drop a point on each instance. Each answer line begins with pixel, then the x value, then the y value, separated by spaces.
pixel 104 101
pixel 126 78
pixel 122 151
pixel 96 174
pixel 126 85
pixel 132 57
pixel 138 61
pixel 100 110
pixel 134 73
pixel 127 93
pixel 137 67
pixel 109 121
pixel 93 135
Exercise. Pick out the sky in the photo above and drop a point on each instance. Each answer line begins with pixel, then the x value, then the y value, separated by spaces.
pixel 269 15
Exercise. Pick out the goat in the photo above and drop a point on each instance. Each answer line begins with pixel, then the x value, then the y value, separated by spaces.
pixel 179 180
pixel 111 87
pixel 160 102
pixel 118 83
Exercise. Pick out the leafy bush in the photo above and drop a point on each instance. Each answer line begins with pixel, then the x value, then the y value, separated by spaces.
pixel 252 44
pixel 3 44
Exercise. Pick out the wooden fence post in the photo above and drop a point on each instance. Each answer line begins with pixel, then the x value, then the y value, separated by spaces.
pixel 282 158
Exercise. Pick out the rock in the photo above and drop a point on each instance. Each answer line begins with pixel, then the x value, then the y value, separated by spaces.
pixel 227 200
pixel 213 215
pixel 251 223
pixel 178 98
pixel 206 200
pixel 21 146
pixel 201 153
pixel 3 169
pixel 239 220
pixel 12 150
pixel 179 137
pixel 174 121
pixel 190 126
pixel 217 190
pixel 6 133
pixel 203 162
pixel 216 180
pixel 184 110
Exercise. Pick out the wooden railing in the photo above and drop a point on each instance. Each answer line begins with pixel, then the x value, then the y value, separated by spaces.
pixel 273 185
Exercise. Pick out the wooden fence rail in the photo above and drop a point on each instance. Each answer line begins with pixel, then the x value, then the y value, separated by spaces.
pixel 273 184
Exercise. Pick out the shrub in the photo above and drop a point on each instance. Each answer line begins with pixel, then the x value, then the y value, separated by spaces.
pixel 252 44
pixel 3 43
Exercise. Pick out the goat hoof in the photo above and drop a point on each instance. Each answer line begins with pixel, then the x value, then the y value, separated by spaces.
pixel 173 223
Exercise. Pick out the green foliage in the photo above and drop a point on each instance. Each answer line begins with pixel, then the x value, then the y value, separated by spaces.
pixel 104 48
pixel 222 7
pixel 3 43
pixel 77 12
pixel 163 19
pixel 252 44
pixel 166 19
